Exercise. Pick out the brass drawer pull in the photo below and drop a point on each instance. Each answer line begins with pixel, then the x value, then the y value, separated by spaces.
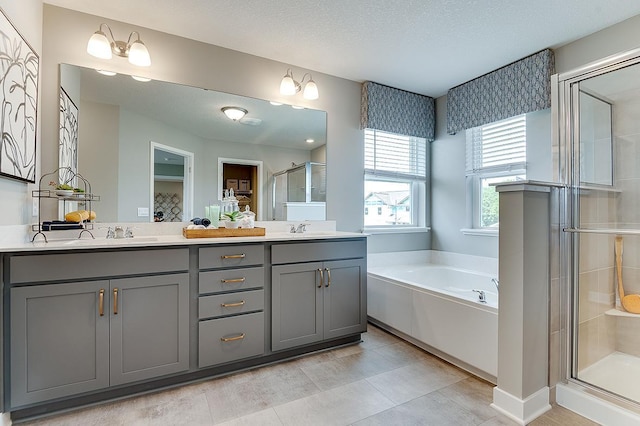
pixel 233 280
pixel 231 339
pixel 328 277
pixel 232 305
pixel 234 256
pixel 101 302
pixel 115 301
pixel 321 277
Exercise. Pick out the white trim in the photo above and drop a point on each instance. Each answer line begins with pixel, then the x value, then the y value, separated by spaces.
pixel 522 411
pixel 5 419
pixel 480 232
pixel 258 187
pixel 187 186
pixel 596 409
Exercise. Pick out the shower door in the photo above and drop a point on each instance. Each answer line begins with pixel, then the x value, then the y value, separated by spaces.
pixel 602 137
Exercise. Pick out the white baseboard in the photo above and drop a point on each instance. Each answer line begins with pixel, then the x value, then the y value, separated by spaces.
pixel 522 411
pixel 593 408
pixel 5 420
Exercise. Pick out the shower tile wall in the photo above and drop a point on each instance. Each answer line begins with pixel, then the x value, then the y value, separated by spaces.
pixel 600 334
pixel 597 278
pixel 627 179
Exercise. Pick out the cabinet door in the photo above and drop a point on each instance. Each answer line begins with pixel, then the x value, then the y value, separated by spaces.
pixel 345 293
pixel 297 305
pixel 59 341
pixel 149 327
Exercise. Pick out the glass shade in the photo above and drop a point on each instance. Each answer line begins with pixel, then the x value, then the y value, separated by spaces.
pixel 310 90
pixel 139 55
pixel 99 46
pixel 287 86
pixel 234 113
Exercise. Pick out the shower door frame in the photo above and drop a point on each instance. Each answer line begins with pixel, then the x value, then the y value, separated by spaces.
pixel 565 98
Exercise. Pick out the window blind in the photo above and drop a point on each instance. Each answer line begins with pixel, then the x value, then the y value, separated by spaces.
pixel 391 155
pixel 497 147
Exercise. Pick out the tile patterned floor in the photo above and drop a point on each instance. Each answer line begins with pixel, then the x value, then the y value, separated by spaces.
pixel 382 381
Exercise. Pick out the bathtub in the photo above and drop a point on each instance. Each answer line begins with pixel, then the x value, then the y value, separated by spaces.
pixel 434 306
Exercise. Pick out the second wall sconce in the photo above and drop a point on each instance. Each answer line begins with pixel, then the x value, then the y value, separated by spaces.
pixel 101 47
pixel 289 86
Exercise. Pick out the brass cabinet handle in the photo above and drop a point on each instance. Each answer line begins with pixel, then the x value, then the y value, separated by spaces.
pixel 231 339
pixel 232 305
pixel 101 302
pixel 321 277
pixel 328 277
pixel 115 301
pixel 234 256
pixel 233 280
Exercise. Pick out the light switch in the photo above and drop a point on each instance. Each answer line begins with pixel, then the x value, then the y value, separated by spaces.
pixel 143 211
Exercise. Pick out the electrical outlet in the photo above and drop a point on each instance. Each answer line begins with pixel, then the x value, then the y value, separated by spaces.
pixel 34 211
pixel 143 211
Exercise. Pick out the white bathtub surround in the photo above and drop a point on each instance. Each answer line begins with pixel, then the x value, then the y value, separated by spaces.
pixel 523 328
pixel 433 305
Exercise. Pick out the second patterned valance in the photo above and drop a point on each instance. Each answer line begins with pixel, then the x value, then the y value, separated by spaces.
pixel 521 87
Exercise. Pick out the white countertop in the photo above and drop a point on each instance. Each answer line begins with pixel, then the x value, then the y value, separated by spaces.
pixel 152 235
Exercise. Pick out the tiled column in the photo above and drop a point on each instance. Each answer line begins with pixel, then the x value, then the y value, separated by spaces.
pixel 523 325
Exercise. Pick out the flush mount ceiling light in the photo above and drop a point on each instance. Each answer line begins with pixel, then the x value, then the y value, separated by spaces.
pixel 101 47
pixel 289 86
pixel 234 113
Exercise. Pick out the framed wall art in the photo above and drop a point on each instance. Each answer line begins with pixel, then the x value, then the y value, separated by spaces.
pixel 18 104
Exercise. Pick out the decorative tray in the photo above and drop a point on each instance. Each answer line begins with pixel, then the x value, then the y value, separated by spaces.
pixel 223 232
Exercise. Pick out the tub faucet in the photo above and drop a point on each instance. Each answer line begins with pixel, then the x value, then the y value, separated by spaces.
pixel 482 297
pixel 497 283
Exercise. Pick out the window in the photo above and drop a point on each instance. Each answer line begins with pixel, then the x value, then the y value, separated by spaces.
pixel 496 152
pixel 395 179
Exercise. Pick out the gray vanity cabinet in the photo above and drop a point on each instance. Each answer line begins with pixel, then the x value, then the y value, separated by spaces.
pixel 59 341
pixel 82 333
pixel 317 300
pixel 149 334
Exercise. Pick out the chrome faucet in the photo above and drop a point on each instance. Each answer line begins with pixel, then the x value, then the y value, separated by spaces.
pixel 482 297
pixel 497 283
pixel 299 230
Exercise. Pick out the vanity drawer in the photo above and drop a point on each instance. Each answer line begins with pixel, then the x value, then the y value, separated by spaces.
pixel 230 303
pixel 230 280
pixel 231 256
pixel 230 339
pixel 318 251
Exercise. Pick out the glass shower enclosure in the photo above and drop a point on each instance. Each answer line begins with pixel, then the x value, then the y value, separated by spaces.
pixel 600 143
pixel 300 192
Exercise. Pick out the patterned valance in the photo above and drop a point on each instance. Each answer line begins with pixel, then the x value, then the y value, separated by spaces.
pixel 521 87
pixel 396 111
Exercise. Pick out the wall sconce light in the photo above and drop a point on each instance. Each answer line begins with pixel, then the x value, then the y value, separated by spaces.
pixel 234 113
pixel 100 47
pixel 289 86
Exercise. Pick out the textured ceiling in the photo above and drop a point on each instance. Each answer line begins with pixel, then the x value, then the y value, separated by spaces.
pixel 425 46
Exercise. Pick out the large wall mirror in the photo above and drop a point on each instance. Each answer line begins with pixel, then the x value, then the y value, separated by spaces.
pixel 121 118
